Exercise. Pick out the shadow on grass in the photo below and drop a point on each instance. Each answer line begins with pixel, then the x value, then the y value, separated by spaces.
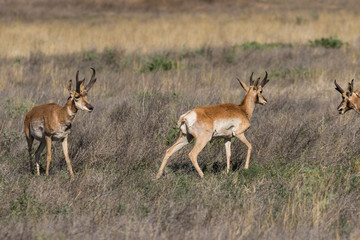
pixel 213 168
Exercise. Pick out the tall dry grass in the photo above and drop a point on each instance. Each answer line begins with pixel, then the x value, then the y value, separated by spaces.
pixel 145 33
pixel 304 171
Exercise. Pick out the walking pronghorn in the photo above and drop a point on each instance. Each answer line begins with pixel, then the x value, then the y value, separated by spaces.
pixel 52 122
pixel 218 121
pixel 350 99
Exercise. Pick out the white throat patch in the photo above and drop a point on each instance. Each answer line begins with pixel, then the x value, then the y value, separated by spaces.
pixel 71 113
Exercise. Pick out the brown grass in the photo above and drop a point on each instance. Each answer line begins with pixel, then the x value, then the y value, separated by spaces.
pixel 145 33
pixel 304 172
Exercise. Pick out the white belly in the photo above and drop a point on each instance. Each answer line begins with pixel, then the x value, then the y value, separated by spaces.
pixel 61 132
pixel 226 127
pixel 37 131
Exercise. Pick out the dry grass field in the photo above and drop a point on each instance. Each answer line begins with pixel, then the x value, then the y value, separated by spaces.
pixel 156 60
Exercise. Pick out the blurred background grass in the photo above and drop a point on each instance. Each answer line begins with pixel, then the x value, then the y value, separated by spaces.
pixel 155 60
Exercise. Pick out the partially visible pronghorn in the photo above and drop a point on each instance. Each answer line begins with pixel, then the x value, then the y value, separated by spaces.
pixel 218 121
pixel 350 99
pixel 51 122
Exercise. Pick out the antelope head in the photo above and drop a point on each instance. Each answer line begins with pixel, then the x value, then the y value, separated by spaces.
pixel 255 89
pixel 350 99
pixel 79 96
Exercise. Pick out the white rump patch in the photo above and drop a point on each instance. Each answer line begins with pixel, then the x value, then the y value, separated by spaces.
pixel 37 129
pixel 190 118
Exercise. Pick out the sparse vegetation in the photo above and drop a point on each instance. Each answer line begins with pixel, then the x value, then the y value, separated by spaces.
pixel 159 62
pixel 330 42
pixel 303 180
pixel 257 46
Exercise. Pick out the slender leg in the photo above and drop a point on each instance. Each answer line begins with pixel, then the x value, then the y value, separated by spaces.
pixel 228 154
pixel 180 143
pixel 30 141
pixel 242 138
pixel 200 143
pixel 67 159
pixel 37 156
pixel 48 151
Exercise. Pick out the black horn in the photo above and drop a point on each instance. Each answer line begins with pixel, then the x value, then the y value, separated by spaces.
pixel 251 80
pixel 351 86
pixel 338 88
pixel 92 80
pixel 78 83
pixel 257 82
pixel 265 80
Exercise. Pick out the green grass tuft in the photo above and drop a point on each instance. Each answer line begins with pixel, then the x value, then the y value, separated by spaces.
pixel 330 42
pixel 264 46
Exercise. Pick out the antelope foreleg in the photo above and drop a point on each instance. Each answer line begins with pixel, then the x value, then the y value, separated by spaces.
pixel 67 159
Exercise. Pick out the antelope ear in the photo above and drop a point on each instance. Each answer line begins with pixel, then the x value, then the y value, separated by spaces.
pixel 82 84
pixel 257 82
pixel 357 92
pixel 243 85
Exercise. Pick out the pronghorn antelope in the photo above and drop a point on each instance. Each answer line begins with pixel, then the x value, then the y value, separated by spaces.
pixel 51 122
pixel 350 99
pixel 218 121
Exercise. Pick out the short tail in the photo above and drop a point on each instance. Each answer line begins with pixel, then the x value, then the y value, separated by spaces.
pixel 183 126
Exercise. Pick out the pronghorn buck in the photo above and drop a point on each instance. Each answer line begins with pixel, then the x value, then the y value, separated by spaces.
pixel 350 99
pixel 51 122
pixel 218 121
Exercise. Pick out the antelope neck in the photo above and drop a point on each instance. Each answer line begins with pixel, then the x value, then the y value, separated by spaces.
pixel 357 103
pixel 70 109
pixel 248 104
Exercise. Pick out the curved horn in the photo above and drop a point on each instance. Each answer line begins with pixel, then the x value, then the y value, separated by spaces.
pixel 265 80
pixel 338 88
pixel 78 82
pixel 351 86
pixel 257 83
pixel 92 80
pixel 239 81
pixel 93 74
pixel 251 80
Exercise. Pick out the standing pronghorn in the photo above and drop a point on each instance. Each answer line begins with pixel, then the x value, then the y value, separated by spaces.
pixel 218 121
pixel 51 122
pixel 350 99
